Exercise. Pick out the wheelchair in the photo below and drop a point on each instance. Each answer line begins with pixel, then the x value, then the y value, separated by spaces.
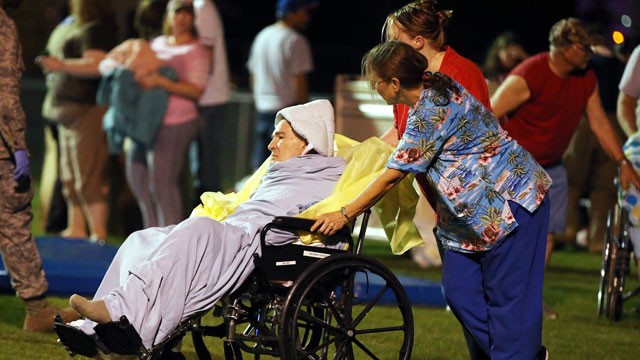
pixel 616 262
pixel 300 302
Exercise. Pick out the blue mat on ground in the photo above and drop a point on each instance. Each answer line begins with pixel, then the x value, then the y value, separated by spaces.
pixel 77 266
pixel 71 265
pixel 420 292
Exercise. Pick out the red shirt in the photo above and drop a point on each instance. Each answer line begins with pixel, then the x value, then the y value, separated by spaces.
pixel 545 123
pixel 460 69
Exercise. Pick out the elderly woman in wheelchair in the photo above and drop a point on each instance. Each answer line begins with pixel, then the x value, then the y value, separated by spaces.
pixel 163 278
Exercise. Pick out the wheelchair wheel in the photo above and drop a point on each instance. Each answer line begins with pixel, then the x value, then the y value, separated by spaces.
pixel 359 311
pixel 615 265
pixel 619 268
pixel 605 271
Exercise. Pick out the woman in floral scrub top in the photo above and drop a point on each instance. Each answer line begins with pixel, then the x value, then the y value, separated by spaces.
pixel 488 192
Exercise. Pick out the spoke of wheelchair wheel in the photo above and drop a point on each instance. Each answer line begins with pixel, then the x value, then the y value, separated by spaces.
pixel 631 293
pixel 340 350
pixel 309 352
pixel 348 297
pixel 248 330
pixel 303 315
pixel 370 305
pixel 364 348
pixel 324 345
pixel 381 330
pixel 350 354
pixel 336 313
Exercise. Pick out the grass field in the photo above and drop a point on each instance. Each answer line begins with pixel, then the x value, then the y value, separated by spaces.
pixel 570 288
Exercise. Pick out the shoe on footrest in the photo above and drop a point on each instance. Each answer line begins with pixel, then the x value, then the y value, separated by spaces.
pixel 75 340
pixel 120 337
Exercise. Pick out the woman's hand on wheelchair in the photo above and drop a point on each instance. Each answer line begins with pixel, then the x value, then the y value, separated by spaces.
pixel 329 223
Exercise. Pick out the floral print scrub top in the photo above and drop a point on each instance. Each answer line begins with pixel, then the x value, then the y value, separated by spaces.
pixel 473 168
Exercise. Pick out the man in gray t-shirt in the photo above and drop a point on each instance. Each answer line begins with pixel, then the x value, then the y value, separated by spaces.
pixel 279 62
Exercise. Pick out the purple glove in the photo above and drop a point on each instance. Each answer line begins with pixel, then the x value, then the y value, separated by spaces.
pixel 22 165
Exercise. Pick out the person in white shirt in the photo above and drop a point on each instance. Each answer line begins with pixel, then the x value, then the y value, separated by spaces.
pixel 279 61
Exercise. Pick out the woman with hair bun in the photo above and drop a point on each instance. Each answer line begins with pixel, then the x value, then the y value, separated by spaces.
pixel 421 25
pixel 488 192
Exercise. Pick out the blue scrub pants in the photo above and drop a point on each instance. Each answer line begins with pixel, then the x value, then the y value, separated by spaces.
pixel 497 294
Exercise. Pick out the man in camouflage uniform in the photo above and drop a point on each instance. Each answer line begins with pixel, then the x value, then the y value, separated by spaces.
pixel 17 244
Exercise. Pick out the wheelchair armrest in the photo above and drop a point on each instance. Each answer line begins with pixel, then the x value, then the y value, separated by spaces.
pixel 296 223
pixel 292 222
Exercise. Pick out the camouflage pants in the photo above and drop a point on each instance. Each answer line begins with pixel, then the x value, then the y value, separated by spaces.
pixel 17 245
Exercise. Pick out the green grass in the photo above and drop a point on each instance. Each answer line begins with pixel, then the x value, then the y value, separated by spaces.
pixel 570 288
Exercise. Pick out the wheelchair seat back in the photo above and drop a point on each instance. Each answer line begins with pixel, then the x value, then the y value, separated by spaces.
pixel 287 262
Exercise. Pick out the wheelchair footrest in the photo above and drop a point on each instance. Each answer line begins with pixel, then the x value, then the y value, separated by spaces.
pixel 75 340
pixel 120 337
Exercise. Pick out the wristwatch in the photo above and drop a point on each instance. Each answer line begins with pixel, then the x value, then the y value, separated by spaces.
pixel 343 211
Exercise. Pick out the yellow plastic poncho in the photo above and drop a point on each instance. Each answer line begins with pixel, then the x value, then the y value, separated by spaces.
pixel 365 162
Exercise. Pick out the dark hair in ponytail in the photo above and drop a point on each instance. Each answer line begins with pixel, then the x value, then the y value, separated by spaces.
pixel 393 59
pixel 421 18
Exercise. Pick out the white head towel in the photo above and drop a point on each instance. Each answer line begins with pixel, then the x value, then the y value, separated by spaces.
pixel 314 121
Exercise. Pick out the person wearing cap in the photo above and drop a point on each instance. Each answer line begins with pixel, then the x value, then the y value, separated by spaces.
pixel 543 99
pixel 279 61
pixel 160 276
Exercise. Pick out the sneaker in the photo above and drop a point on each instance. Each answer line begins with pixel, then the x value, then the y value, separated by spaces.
pixel 42 320
pixel 548 313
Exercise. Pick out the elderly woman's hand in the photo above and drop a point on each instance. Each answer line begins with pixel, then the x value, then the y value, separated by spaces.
pixel 329 223
pixel 50 63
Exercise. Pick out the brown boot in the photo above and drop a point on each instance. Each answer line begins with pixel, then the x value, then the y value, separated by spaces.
pixel 40 315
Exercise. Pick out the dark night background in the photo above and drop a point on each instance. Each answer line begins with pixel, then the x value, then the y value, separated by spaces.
pixel 340 33
pixel 342 30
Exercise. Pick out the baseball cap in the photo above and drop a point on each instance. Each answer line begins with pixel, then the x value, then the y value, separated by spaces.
pixel 572 31
pixel 287 6
pixel 175 5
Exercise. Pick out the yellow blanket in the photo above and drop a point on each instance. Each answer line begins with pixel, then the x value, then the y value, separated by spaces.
pixel 365 161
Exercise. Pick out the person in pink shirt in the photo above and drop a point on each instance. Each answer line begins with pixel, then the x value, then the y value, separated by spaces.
pixel 153 172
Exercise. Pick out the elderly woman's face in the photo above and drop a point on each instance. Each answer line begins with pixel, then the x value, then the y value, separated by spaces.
pixel 285 143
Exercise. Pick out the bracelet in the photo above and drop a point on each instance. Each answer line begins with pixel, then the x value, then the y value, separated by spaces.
pixel 343 211
pixel 623 161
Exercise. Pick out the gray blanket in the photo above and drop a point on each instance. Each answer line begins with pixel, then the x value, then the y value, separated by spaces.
pixel 160 276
